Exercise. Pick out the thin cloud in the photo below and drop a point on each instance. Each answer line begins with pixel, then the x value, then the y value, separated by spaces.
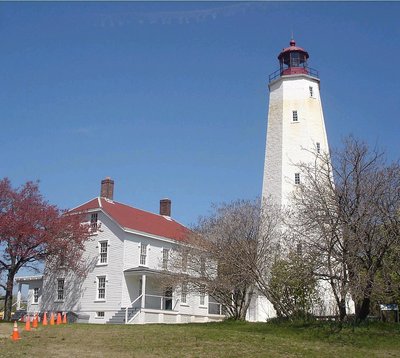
pixel 177 17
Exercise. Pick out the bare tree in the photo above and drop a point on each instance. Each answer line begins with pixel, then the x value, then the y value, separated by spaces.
pixel 227 255
pixel 347 215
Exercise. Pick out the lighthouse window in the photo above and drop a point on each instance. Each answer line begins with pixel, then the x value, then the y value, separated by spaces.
pixel 295 117
pixel 311 91
pixel 318 147
pixel 297 178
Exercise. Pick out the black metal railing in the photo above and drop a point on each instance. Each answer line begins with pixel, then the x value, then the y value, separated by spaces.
pixel 278 73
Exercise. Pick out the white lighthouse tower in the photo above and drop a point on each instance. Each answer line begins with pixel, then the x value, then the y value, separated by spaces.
pixel 296 125
pixel 295 133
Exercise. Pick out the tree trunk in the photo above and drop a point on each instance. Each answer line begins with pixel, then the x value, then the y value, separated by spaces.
pixel 246 303
pixel 8 297
pixel 342 309
pixel 363 310
pixel 364 304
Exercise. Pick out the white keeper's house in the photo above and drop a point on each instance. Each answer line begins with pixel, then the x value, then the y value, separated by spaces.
pixel 126 258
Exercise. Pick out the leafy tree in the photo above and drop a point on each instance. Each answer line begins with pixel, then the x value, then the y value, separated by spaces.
pixel 294 284
pixel 32 231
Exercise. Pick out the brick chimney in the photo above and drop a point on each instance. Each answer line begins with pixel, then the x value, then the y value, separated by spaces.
pixel 107 188
pixel 165 207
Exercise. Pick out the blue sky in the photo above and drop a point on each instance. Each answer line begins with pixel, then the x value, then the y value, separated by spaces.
pixel 170 99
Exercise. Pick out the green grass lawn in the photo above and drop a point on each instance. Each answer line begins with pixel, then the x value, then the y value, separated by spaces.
pixel 227 339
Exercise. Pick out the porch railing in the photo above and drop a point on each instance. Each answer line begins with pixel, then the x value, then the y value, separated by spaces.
pixel 131 306
pixel 152 302
pixel 310 71
pixel 158 302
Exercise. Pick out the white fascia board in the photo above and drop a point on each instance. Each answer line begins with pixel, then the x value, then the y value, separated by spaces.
pixel 152 236
pixel 28 278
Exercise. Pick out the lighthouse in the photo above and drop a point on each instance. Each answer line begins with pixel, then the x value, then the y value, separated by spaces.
pixel 296 128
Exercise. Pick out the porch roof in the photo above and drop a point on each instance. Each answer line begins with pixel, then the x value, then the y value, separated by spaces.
pixel 22 279
pixel 142 271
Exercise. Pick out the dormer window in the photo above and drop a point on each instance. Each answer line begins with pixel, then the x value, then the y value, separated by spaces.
pixel 93 222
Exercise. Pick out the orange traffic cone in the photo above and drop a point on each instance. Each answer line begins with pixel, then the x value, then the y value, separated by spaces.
pixel 27 323
pixel 52 319
pixel 64 318
pixel 58 318
pixel 45 319
pixel 35 321
pixel 15 335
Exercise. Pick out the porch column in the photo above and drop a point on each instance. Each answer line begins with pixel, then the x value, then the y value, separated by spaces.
pixel 19 296
pixel 143 301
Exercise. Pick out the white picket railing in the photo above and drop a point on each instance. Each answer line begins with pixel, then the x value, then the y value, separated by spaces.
pixel 130 306
pixel 158 302
pixel 155 302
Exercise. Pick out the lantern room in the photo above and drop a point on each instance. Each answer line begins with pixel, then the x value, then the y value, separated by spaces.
pixel 293 60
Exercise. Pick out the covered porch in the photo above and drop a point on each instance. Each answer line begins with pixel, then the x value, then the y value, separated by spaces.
pixel 34 293
pixel 145 290
pixel 147 298
pixel 150 300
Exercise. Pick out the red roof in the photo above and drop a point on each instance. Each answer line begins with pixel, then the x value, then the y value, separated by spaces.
pixel 136 219
pixel 292 48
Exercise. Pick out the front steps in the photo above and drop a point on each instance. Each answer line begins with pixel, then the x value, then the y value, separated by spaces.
pixel 119 317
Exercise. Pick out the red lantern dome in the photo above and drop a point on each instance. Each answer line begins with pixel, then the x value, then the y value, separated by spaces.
pixel 293 60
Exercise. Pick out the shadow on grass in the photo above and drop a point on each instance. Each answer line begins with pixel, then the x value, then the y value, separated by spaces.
pixel 364 334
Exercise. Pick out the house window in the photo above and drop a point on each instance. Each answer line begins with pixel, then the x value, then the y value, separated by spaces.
pixel 93 221
pixel 318 147
pixel 165 259
pixel 143 254
pixel 103 248
pixel 184 261
pixel 184 293
pixel 60 289
pixel 100 314
pixel 202 292
pixel 299 249
pixel 101 287
pixel 295 117
pixel 297 178
pixel 311 91
pixel 168 298
pixel 202 266
pixel 36 295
